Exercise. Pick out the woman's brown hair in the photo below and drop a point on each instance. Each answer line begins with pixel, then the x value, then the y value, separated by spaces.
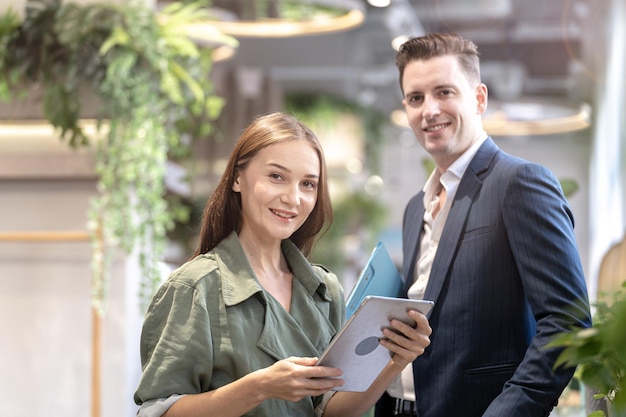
pixel 222 214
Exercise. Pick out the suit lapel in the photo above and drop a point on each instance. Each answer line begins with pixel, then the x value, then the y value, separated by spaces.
pixel 413 224
pixel 451 237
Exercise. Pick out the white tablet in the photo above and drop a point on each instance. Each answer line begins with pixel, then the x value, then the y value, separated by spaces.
pixel 356 349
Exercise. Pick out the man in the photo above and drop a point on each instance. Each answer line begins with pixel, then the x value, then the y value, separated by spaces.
pixel 490 240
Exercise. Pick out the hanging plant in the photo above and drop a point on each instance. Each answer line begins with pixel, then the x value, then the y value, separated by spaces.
pixel 152 84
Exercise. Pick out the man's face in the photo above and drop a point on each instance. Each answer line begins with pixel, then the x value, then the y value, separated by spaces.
pixel 443 107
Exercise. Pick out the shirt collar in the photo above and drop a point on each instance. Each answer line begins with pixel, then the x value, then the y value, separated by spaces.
pixel 239 281
pixel 457 168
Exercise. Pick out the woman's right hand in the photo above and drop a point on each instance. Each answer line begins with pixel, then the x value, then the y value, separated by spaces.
pixel 294 378
pixel 289 379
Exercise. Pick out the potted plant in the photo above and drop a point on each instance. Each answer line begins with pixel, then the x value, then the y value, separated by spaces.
pixel 599 353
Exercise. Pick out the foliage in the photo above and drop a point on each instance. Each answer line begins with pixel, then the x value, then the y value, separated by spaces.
pixel 356 213
pixel 600 353
pixel 326 108
pixel 151 82
pixel 569 186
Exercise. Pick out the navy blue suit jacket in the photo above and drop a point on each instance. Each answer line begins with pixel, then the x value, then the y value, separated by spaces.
pixel 505 280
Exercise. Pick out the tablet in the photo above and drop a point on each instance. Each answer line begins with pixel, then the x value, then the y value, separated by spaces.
pixel 356 349
pixel 380 276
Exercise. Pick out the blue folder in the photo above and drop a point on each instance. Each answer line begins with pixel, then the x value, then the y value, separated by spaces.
pixel 379 277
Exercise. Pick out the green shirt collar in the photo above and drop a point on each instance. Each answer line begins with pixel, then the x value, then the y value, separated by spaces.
pixel 239 281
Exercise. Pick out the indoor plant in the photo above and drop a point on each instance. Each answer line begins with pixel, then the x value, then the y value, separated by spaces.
pixel 154 93
pixel 599 353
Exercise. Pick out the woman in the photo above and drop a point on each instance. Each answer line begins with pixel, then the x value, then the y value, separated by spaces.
pixel 237 329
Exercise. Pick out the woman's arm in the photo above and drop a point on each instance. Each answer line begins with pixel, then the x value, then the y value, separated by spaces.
pixel 290 379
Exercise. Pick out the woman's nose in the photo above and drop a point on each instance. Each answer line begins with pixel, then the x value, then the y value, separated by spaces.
pixel 291 196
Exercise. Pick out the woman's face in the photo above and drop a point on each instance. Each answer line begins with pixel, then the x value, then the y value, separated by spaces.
pixel 278 190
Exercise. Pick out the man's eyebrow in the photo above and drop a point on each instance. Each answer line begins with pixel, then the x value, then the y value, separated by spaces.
pixel 446 86
pixel 410 93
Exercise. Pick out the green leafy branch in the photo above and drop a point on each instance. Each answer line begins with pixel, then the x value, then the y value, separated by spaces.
pixel 599 353
pixel 154 94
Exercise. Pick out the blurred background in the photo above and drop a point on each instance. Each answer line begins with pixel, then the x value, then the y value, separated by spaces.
pixel 555 73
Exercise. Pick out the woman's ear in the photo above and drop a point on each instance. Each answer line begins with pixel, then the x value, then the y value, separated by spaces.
pixel 236 185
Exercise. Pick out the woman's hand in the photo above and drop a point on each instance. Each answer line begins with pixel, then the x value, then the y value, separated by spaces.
pixel 294 378
pixel 405 342
pixel 290 379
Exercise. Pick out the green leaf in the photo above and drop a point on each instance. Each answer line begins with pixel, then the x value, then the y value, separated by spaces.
pixel 214 105
pixel 118 37
pixel 180 74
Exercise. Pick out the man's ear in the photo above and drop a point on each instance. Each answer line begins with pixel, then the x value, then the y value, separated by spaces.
pixel 481 98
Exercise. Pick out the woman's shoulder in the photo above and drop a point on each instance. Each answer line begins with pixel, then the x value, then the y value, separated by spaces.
pixel 196 271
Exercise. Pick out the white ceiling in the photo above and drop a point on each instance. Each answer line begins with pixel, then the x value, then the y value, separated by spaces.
pixel 528 48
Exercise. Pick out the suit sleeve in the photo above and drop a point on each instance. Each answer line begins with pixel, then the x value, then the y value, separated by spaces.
pixel 540 229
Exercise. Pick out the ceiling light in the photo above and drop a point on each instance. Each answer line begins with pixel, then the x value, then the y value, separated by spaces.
pixel 402 22
pixel 528 118
pixel 397 41
pixel 256 18
pixel 379 3
pixel 524 118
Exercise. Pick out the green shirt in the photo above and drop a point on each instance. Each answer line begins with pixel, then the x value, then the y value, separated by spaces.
pixel 211 323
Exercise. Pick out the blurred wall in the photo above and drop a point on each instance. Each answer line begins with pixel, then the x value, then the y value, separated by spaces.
pixel 47 347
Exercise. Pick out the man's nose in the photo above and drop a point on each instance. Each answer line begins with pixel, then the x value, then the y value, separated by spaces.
pixel 431 107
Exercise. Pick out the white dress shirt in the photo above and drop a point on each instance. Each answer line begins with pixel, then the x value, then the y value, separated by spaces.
pixel 434 222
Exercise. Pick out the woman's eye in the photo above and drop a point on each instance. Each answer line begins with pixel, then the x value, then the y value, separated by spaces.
pixel 309 184
pixel 276 176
